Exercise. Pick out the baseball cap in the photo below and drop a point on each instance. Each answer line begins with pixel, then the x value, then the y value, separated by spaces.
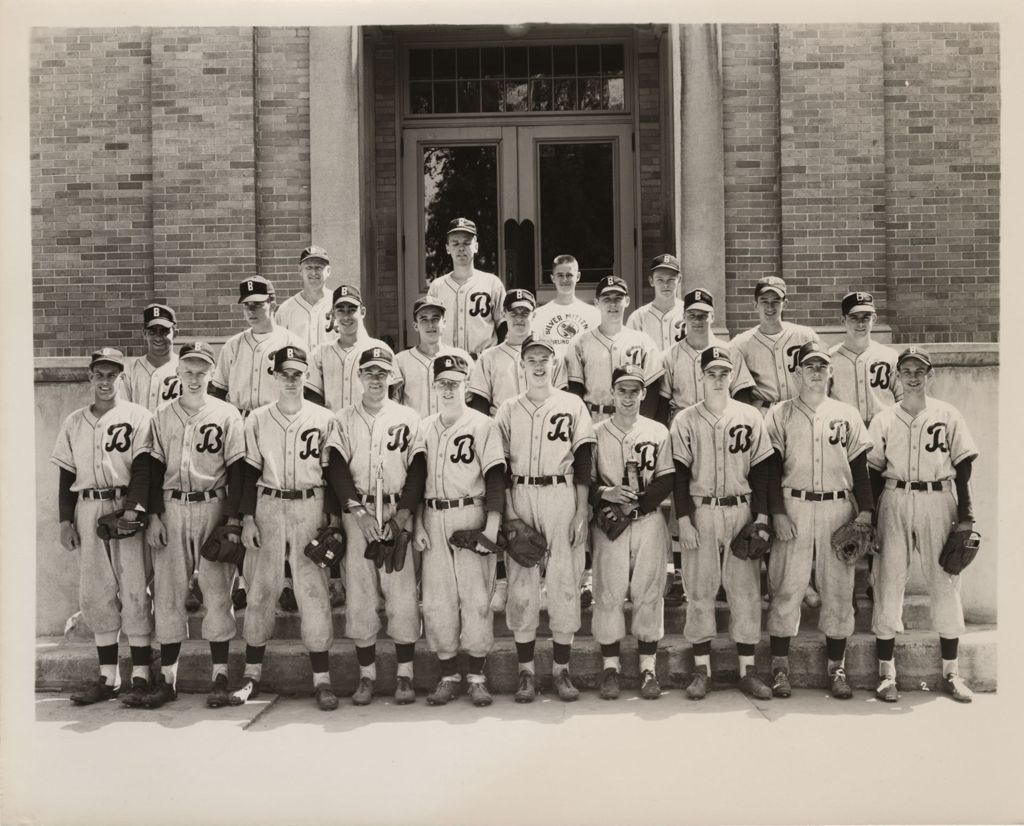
pixel 450 367
pixel 519 298
pixel 773 283
pixel 461 225
pixel 347 294
pixel 197 350
pixel 535 341
pixel 159 314
pixel 426 302
pixel 109 354
pixel 612 284
pixel 666 261
pixel 628 372
pixel 256 288
pixel 699 299
pixel 914 352
pixel 314 252
pixel 812 350
pixel 290 357
pixel 858 302
pixel 377 357
pixel 715 357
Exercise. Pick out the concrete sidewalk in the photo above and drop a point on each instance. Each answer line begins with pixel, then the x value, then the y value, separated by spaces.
pixel 809 759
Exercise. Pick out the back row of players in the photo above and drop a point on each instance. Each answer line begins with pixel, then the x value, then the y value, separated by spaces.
pixel 285 442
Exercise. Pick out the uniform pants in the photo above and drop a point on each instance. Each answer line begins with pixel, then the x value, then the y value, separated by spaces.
pixel 457 586
pixel 632 564
pixel 366 584
pixel 713 564
pixel 919 521
pixel 286 526
pixel 550 510
pixel 789 570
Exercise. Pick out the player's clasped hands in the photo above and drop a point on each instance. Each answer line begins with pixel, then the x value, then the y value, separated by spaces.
pixel 368 525
pixel 620 495
pixel 156 534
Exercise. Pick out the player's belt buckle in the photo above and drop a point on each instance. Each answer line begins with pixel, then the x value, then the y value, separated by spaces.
pixel 386 499
pixel 308 493
pixel 811 496
pixel 600 408
pixel 196 495
pixel 540 481
pixel 103 493
pixel 919 486
pixel 725 501
pixel 446 504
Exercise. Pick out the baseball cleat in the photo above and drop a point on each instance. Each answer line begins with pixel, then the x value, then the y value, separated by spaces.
pixel 404 691
pixel 754 687
pixel 479 694
pixel 886 690
pixel 163 692
pixel 811 597
pixel 675 594
pixel 699 684
pixel 239 598
pixel 838 685
pixel 337 594
pixel 326 699
pixel 650 688
pixel 446 691
pixel 500 596
pixel 609 684
pixel 567 692
pixel 133 696
pixel 194 600
pixel 954 685
pixel 780 683
pixel 363 695
pixel 287 600
pixel 95 692
pixel 218 696
pixel 587 590
pixel 250 690
pixel 526 690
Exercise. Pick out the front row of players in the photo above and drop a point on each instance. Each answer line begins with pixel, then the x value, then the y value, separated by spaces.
pixel 294 466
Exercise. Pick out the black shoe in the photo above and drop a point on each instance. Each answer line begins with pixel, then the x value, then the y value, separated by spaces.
pixel 194 600
pixel 133 696
pixel 781 686
pixel 250 690
pixel 405 693
pixel 526 690
pixel 239 598
pixel 567 692
pixel 95 692
pixel 326 699
pixel 650 688
pixel 219 696
pixel 838 685
pixel 609 684
pixel 675 594
pixel 163 692
pixel 287 600
pixel 753 686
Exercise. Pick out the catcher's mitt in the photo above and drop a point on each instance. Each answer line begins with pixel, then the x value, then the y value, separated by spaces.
pixel 612 519
pixel 115 526
pixel 327 547
pixel 959 551
pixel 526 546
pixel 390 554
pixel 753 542
pixel 852 541
pixel 224 544
pixel 476 542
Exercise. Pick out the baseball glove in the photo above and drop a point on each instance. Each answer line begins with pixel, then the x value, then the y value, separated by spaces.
pixel 476 542
pixel 390 554
pixel 612 519
pixel 959 551
pixel 224 544
pixel 852 541
pixel 526 546
pixel 115 526
pixel 327 547
pixel 753 542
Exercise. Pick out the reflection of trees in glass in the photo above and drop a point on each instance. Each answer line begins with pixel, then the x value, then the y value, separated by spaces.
pixel 460 182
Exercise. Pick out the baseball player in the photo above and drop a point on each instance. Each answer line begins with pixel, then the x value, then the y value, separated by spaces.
pixel 921 462
pixel 413 379
pixel 823 446
pixel 334 366
pixel 377 464
pixel 102 451
pixel 634 470
pixel 282 508
pixel 722 460
pixel 465 490
pixel 472 298
pixel 548 438
pixel 565 315
pixel 308 313
pixel 151 380
pixel 198 444
pixel 662 318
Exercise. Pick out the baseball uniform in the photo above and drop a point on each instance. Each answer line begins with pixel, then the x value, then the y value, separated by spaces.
pixel 413 374
pixel 560 323
pixel 867 380
pixel 146 384
pixel 245 368
pixel 771 360
pixel 683 382
pixel 593 356
pixel 473 309
pixel 499 374
pixel 334 371
pixel 309 322
pixel 664 328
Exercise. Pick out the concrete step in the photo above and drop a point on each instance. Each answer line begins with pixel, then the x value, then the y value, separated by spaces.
pixel 62 665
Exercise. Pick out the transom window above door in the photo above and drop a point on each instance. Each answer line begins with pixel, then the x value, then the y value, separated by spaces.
pixel 490 80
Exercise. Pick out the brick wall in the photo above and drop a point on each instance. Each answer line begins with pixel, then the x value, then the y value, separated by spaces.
pixel 655 212
pixel 383 316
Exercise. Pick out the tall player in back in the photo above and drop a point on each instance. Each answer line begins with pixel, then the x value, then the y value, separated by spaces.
pixel 662 318
pixel 565 315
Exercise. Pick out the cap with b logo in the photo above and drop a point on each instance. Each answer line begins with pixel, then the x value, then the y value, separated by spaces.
pixel 699 299
pixel 425 302
pixel 770 283
pixel 665 261
pixel 612 284
pixel 377 357
pixel 519 298
pixel 461 225
pixel 536 341
pixel 715 357
pixel 197 350
pixel 812 350
pixel 108 354
pixel 347 294
pixel 858 302
pixel 158 315
pixel 256 288
pixel 315 252
pixel 914 352
pixel 628 372
pixel 290 358
pixel 450 367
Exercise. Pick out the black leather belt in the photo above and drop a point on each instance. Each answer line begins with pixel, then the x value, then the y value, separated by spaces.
pixel 197 495
pixel 102 493
pixel 386 499
pixel 290 494
pixel 931 486
pixel 446 504
pixel 811 496
pixel 723 500
pixel 600 408
pixel 540 481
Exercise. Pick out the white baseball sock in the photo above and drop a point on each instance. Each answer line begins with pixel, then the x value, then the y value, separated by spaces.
pixel 647 662
pixel 610 662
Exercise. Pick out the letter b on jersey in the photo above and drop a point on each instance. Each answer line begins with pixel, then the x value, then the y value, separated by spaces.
pixel 741 435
